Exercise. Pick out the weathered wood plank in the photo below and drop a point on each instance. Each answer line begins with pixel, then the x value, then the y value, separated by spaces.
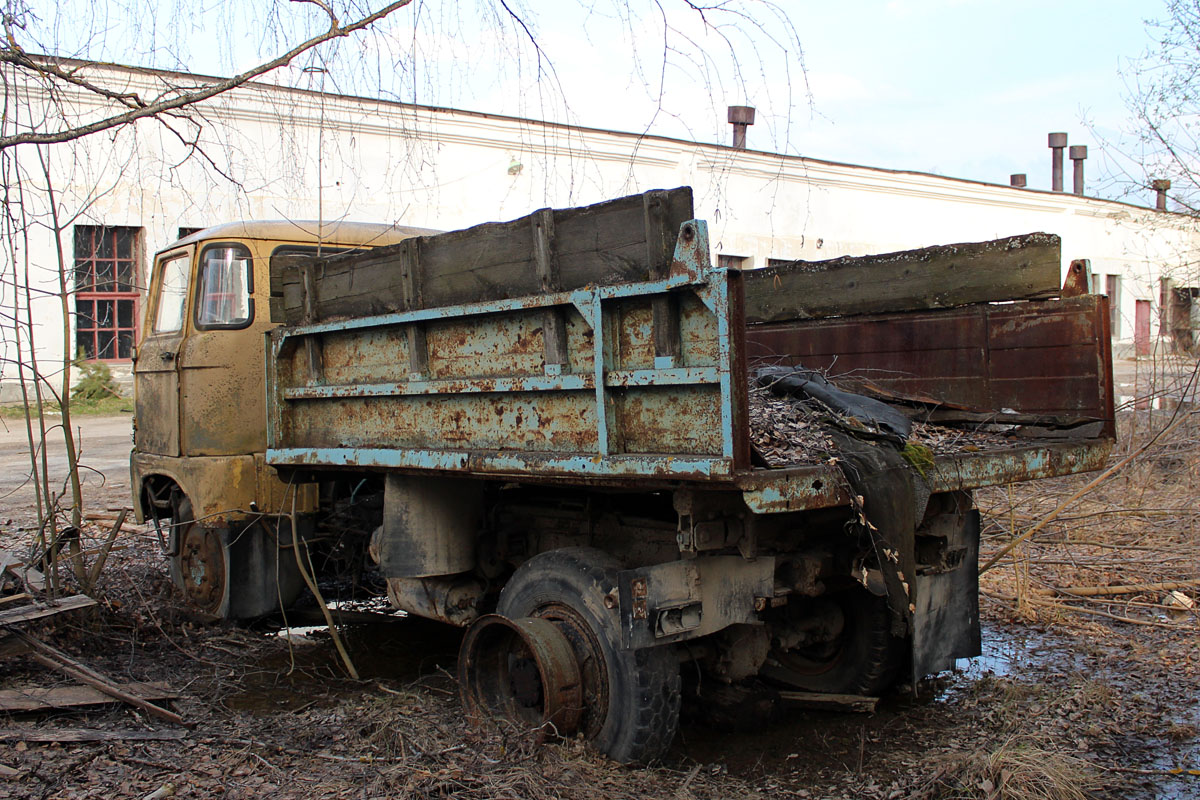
pixel 1016 268
pixel 655 210
pixel 33 580
pixel 85 735
pixel 600 244
pixel 820 701
pixel 40 699
pixel 56 659
pixel 13 616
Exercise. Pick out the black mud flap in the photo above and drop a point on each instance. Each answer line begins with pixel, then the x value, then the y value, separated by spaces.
pixel 946 618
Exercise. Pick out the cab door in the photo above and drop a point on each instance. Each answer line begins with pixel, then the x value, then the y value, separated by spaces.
pixel 156 367
pixel 221 362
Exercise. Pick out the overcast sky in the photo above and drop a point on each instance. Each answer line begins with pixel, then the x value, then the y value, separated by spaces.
pixel 964 88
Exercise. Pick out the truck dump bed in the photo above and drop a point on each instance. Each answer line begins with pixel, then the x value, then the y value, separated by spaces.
pixel 601 345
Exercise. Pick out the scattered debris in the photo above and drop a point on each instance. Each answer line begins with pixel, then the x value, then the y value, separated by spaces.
pixel 788 430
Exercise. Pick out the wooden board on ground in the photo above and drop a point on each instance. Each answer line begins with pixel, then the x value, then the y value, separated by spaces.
pixel 819 701
pixel 33 579
pixel 1023 267
pixel 12 616
pixel 42 699
pixel 550 250
pixel 85 735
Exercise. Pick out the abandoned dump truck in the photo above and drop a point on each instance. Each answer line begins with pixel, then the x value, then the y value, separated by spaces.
pixel 627 473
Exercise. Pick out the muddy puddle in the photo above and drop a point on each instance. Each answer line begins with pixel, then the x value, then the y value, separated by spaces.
pixel 304 669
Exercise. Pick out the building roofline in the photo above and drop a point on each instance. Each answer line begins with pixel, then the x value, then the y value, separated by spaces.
pixel 603 131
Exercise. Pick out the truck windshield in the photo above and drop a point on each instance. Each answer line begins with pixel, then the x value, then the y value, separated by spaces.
pixel 172 293
pixel 223 295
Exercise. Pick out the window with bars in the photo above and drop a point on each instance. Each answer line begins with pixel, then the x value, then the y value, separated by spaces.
pixel 106 291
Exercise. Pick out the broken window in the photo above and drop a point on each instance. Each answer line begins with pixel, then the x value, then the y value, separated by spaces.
pixel 106 291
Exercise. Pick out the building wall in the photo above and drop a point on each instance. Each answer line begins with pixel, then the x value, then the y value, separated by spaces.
pixel 264 152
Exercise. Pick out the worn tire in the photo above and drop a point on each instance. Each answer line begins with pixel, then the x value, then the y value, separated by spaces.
pixel 632 696
pixel 864 660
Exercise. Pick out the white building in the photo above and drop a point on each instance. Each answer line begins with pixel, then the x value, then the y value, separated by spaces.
pixel 266 152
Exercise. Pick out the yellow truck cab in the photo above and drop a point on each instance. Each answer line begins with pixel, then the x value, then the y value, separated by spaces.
pixel 200 423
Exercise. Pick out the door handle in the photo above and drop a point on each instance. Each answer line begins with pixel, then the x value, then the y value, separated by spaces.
pixel 168 356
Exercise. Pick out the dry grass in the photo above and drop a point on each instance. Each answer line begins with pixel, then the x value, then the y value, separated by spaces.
pixel 1017 769
pixel 1142 526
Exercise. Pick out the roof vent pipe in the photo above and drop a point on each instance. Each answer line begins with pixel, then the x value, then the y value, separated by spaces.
pixel 1160 186
pixel 740 117
pixel 1017 180
pixel 1078 153
pixel 1058 142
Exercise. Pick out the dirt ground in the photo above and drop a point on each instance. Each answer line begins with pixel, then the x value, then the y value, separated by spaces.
pixel 1075 696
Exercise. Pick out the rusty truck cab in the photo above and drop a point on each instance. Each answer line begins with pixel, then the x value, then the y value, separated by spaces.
pixel 200 424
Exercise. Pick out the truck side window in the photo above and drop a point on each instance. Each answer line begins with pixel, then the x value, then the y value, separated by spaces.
pixel 223 293
pixel 172 294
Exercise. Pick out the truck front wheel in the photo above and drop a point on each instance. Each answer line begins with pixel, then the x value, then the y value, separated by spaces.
pixel 229 574
pixel 198 566
pixel 631 697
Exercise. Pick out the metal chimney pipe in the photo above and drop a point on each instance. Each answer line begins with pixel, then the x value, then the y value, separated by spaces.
pixel 1160 185
pixel 740 117
pixel 1017 180
pixel 1078 153
pixel 1058 142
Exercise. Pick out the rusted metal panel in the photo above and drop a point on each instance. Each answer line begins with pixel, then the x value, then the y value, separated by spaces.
pixel 1046 357
pixel 1079 278
pixel 221 488
pixel 798 489
pixel 490 401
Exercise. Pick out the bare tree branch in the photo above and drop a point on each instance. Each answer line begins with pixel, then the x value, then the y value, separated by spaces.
pixel 142 110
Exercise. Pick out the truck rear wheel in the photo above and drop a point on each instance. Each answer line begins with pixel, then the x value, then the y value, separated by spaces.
pixel 863 658
pixel 630 697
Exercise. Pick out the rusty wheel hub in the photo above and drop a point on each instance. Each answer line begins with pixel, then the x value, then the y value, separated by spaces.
pixel 523 670
pixel 593 672
pixel 202 565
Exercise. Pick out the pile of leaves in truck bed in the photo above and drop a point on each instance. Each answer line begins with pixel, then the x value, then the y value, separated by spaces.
pixel 788 430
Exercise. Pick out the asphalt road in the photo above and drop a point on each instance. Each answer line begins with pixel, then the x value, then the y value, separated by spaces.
pixel 103 444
